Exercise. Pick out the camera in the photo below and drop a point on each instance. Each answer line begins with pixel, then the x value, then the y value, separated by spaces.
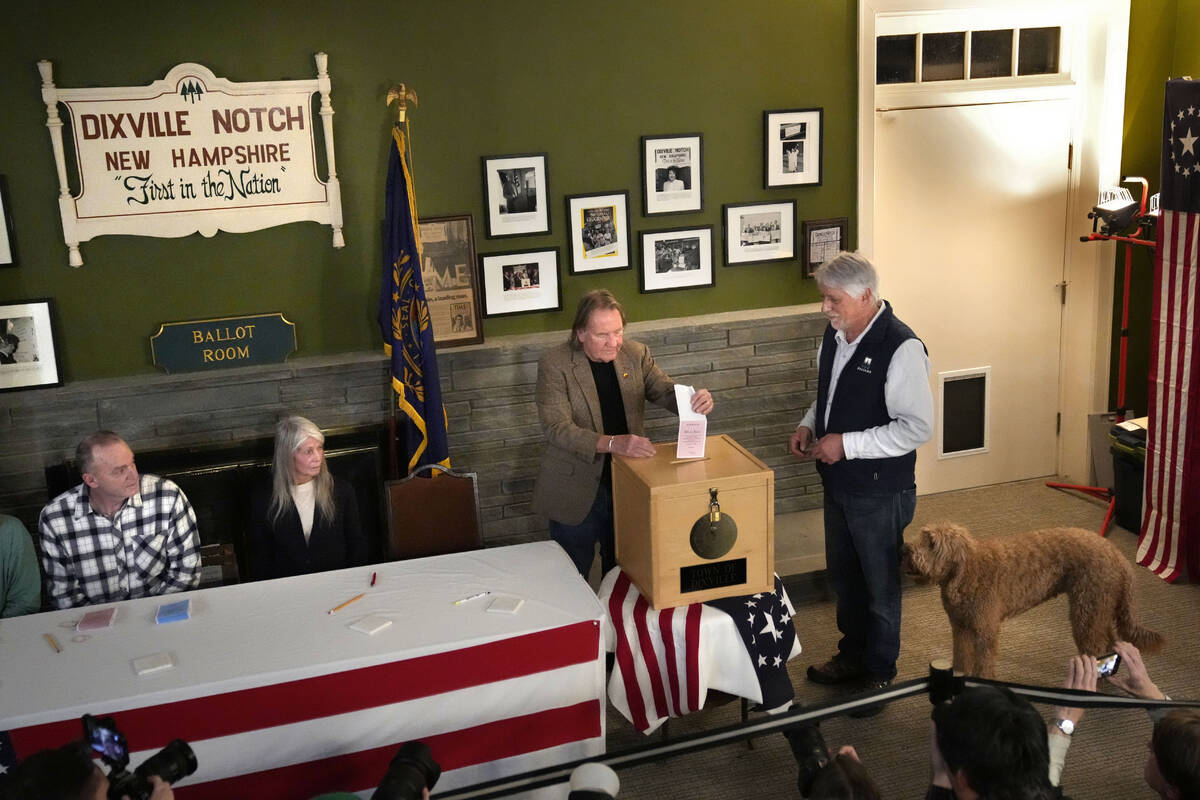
pixel 412 770
pixel 173 762
pixel 1107 665
pixel 811 754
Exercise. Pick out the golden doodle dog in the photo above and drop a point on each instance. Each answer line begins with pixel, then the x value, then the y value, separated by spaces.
pixel 986 581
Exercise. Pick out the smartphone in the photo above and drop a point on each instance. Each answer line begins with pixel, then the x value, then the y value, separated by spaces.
pixel 1107 665
pixel 104 738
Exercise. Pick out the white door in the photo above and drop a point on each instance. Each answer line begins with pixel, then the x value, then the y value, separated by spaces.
pixel 970 224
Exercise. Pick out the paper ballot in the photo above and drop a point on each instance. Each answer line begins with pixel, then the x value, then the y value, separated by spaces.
pixel 693 426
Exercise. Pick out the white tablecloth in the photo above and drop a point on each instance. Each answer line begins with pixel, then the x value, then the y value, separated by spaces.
pixel 274 693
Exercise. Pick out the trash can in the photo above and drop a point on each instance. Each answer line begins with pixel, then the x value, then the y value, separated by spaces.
pixel 1129 470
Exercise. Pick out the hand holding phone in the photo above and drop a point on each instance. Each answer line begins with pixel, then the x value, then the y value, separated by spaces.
pixel 1107 665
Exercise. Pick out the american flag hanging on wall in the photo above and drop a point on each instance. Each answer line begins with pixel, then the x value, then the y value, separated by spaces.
pixel 1172 505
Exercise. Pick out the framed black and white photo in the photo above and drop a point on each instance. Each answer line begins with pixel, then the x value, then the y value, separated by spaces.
pixel 822 240
pixel 672 174
pixel 756 233
pixel 598 231
pixel 8 239
pixel 451 282
pixel 792 147
pixel 520 282
pixel 680 258
pixel 28 353
pixel 516 192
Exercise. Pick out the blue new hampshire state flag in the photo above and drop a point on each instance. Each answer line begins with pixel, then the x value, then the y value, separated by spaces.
pixel 404 321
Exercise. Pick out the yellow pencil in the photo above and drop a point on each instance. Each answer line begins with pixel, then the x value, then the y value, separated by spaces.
pixel 343 605
pixel 53 643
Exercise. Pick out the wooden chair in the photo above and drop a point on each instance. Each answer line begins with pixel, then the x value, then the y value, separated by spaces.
pixel 433 511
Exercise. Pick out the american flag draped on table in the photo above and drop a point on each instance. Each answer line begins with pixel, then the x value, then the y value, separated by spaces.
pixel 666 661
pixel 1172 505
pixel 404 320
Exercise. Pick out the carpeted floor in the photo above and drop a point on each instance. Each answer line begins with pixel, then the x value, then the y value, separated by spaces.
pixel 1108 750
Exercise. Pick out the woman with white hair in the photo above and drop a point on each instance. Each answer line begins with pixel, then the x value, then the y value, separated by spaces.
pixel 306 520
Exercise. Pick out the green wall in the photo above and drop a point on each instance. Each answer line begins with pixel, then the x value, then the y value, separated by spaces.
pixel 1164 42
pixel 580 81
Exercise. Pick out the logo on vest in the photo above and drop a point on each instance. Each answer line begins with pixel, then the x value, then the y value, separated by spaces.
pixel 865 366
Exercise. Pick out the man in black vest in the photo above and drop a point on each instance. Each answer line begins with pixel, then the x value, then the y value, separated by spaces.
pixel 873 409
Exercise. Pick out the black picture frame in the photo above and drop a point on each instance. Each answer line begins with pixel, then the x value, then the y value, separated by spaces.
pixel 510 288
pixel 820 240
pixel 448 271
pixel 662 154
pixel 603 250
pixel 29 357
pixel 676 258
pixel 790 137
pixel 516 194
pixel 8 231
pixel 759 233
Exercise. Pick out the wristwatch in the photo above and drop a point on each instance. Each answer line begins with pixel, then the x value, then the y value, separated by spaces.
pixel 1065 725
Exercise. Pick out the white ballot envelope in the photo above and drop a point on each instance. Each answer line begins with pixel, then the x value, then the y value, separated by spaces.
pixel 693 426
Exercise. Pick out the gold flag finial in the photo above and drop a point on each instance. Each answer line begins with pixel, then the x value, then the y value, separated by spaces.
pixel 405 95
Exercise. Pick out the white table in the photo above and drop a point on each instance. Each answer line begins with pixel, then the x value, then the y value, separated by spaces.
pixel 279 698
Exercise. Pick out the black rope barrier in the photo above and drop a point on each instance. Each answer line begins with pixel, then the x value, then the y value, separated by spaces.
pixel 941 684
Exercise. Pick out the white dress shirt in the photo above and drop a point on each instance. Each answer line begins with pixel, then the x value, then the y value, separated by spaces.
pixel 906 393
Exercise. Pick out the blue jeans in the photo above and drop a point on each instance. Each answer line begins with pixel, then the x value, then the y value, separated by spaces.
pixel 863 534
pixel 580 540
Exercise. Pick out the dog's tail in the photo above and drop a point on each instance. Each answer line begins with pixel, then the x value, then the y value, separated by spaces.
pixel 1143 639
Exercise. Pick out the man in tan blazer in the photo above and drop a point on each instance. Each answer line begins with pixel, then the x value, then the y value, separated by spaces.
pixel 591 400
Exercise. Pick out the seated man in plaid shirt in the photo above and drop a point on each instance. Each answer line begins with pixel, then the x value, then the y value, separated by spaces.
pixel 117 536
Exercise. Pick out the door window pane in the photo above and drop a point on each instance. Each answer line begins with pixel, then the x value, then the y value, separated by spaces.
pixel 1037 51
pixel 896 59
pixel 991 54
pixel 942 56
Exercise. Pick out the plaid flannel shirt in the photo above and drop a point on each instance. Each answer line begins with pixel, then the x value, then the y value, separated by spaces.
pixel 150 547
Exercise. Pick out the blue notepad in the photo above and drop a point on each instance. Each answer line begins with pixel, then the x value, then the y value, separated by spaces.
pixel 173 612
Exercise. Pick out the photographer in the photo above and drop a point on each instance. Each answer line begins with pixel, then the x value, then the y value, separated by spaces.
pixel 1173 765
pixel 67 773
pixel 988 742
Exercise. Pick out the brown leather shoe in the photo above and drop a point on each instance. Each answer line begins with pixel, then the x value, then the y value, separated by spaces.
pixel 834 671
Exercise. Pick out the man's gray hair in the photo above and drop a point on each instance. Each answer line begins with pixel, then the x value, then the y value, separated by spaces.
pixel 850 272
pixel 85 452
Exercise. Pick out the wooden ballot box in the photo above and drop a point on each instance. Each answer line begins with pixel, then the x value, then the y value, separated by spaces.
pixel 669 543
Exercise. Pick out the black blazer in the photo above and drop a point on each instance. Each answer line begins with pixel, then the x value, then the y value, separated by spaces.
pixel 278 549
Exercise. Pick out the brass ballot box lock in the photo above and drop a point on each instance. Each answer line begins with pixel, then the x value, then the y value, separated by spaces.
pixel 714 533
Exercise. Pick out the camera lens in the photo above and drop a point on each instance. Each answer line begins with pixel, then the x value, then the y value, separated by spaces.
pixel 175 761
pixel 411 771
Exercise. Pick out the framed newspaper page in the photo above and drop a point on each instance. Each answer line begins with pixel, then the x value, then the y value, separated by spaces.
pixel 672 174
pixel 823 239
pixel 598 232
pixel 451 283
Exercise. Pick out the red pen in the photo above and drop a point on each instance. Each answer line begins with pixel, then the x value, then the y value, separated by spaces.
pixel 373 578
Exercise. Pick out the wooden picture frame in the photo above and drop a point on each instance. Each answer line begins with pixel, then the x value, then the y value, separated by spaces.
pixel 516 191
pixel 451 281
pixel 520 282
pixel 28 349
pixel 672 174
pixel 598 232
pixel 758 233
pixel 677 258
pixel 821 240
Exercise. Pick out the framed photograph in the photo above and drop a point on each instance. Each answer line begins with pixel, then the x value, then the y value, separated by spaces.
pixel 451 283
pixel 823 239
pixel 8 240
pixel 672 174
pixel 598 231
pixel 520 282
pixel 680 258
pixel 792 147
pixel 516 192
pixel 756 233
pixel 28 352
